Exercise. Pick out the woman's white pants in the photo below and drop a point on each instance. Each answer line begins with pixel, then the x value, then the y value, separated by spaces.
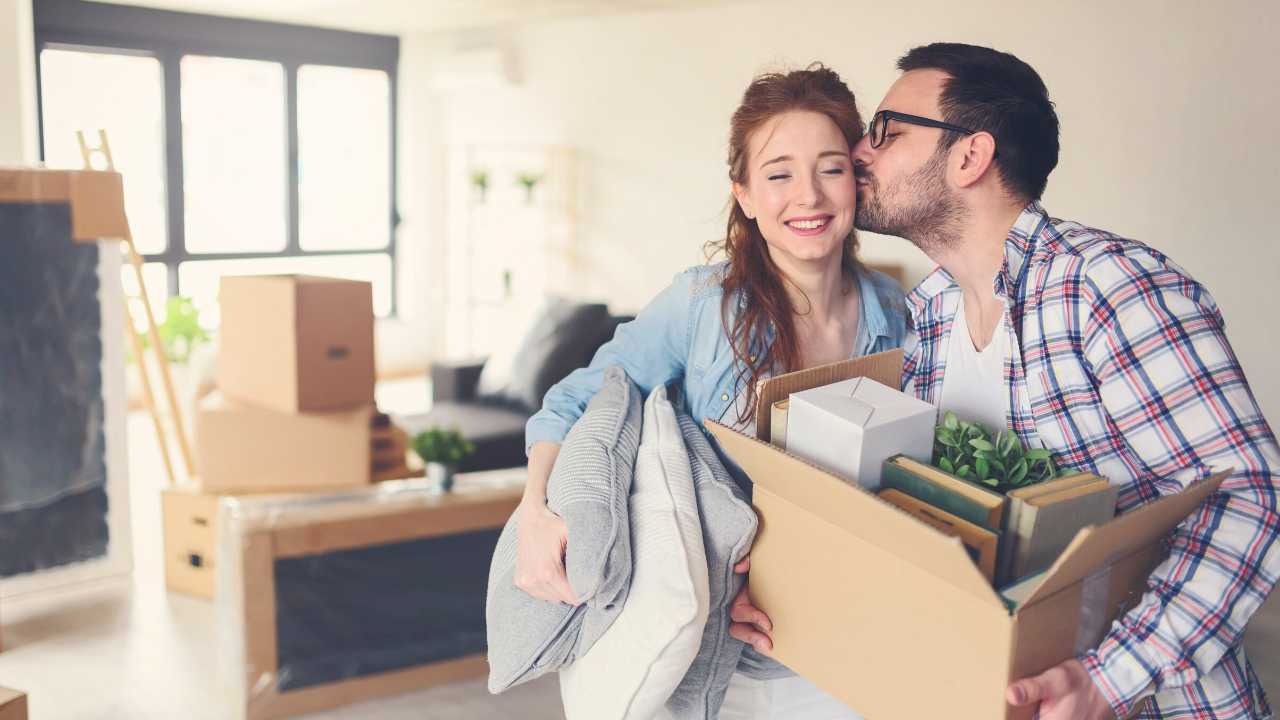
pixel 789 698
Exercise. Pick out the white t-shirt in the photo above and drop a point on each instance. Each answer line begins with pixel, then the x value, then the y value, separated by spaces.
pixel 973 386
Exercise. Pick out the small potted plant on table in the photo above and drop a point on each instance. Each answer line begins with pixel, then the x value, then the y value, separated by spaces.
pixel 442 450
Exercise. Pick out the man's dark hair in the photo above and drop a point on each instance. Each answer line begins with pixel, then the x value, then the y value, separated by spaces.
pixel 992 91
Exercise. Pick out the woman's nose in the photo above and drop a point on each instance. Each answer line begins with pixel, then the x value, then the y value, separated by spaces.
pixel 809 192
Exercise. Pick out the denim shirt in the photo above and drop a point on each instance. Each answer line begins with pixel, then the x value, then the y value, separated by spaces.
pixel 680 337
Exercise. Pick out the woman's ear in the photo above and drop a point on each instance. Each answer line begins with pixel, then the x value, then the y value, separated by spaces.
pixel 744 200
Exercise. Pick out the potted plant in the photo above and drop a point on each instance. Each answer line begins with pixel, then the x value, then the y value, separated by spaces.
pixel 528 181
pixel 968 451
pixel 480 181
pixel 442 450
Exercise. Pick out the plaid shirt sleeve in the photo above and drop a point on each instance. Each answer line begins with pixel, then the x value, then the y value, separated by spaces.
pixel 1177 400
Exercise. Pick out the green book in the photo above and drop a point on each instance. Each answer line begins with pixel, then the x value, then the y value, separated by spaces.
pixel 942 490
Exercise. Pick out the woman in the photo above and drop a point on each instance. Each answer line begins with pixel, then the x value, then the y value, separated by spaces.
pixel 790 295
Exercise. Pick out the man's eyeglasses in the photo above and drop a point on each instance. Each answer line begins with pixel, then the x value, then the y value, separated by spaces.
pixel 880 125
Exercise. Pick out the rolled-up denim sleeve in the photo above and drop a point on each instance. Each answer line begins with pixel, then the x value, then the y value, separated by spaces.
pixel 652 349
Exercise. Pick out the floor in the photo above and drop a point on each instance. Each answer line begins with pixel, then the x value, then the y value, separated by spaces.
pixel 124 649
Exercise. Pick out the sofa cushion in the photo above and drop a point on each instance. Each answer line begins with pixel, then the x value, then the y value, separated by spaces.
pixel 563 336
pixel 588 488
pixel 728 528
pixel 497 432
pixel 629 673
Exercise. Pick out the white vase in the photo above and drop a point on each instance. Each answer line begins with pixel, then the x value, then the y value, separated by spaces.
pixel 442 474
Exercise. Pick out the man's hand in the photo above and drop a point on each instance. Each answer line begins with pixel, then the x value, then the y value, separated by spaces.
pixel 750 624
pixel 1063 692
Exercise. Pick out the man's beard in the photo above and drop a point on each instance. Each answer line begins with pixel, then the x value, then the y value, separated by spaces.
pixel 929 214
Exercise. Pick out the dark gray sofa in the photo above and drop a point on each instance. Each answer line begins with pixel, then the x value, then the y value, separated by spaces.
pixel 490 407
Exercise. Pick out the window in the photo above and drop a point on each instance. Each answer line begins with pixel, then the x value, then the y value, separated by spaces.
pixel 246 147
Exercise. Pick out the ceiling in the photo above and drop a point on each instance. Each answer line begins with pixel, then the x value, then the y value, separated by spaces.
pixel 398 17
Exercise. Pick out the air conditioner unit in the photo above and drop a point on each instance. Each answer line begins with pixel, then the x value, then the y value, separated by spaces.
pixel 488 67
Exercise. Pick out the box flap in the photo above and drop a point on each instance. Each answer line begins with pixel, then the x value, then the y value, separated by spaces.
pixel 96 198
pixel 855 511
pixel 885 368
pixel 1094 547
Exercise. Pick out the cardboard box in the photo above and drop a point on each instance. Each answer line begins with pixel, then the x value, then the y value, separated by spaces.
pixel 190 541
pixel 96 198
pixel 13 705
pixel 851 427
pixel 244 448
pixel 296 343
pixel 872 605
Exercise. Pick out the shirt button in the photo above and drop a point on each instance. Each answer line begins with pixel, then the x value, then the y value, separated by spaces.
pixel 724 397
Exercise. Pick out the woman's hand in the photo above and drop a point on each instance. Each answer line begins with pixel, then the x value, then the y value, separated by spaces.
pixel 750 624
pixel 541 541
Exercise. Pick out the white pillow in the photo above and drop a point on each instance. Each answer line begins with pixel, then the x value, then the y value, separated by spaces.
pixel 640 660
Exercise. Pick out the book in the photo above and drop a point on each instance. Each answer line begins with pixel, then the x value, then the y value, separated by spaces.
pixel 1015 500
pixel 778 421
pixel 965 499
pixel 981 543
pixel 1044 520
pixel 1017 593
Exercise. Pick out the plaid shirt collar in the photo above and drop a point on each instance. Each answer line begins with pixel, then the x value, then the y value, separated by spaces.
pixel 1019 246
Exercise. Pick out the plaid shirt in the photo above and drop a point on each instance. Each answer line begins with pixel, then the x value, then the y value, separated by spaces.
pixel 1119 365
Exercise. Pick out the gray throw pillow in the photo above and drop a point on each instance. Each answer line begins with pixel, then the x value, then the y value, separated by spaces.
pixel 562 338
pixel 728 528
pixel 589 488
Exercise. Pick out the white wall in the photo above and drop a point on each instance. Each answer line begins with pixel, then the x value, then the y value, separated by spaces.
pixel 17 84
pixel 1168 114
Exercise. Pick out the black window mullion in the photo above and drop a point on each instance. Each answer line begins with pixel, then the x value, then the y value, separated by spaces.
pixel 294 245
pixel 395 201
pixel 176 247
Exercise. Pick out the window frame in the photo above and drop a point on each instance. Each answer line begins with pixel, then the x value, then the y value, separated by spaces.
pixel 168 36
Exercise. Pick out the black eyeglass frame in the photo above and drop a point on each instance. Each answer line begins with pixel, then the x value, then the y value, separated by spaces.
pixel 884 116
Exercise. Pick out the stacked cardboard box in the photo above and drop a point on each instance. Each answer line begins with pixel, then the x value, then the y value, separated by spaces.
pixel 293 411
pixel 13 705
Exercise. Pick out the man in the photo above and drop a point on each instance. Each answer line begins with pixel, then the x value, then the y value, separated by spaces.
pixel 1100 349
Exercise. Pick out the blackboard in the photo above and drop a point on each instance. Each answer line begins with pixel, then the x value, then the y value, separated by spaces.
pixel 351 613
pixel 53 468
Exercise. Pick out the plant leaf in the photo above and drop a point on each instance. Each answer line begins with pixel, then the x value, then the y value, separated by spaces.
pixel 950 421
pixel 981 444
pixel 1019 473
pixel 1038 454
pixel 963 472
pixel 945 464
pixel 982 467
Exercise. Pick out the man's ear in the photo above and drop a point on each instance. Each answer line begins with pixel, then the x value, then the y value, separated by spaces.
pixel 744 200
pixel 977 154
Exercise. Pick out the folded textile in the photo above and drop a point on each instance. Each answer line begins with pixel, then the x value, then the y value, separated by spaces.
pixel 589 489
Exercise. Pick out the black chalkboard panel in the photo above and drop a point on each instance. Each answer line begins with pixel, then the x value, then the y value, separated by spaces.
pixel 53 472
pixel 341 615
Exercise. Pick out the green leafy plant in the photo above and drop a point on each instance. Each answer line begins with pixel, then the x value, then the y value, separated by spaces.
pixel 480 181
pixel 528 181
pixel 968 451
pixel 437 445
pixel 181 332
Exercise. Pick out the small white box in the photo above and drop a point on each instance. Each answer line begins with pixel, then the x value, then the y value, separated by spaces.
pixel 851 427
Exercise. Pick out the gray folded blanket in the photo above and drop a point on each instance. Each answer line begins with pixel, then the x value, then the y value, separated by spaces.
pixel 589 488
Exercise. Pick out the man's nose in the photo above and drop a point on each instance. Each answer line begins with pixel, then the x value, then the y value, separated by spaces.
pixel 861 153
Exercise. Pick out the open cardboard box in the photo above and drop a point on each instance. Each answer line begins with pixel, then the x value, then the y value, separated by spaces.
pixel 891 616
